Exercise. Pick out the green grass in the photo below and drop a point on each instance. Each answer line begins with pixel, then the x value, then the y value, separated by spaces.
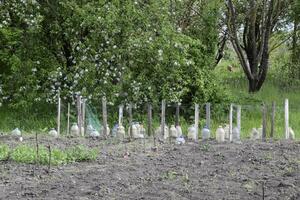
pixel 237 86
pixel 4 152
pixel 27 154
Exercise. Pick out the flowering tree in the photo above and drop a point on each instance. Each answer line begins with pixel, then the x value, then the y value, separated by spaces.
pixel 126 50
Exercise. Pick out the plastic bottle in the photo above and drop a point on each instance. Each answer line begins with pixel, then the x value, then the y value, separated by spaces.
pixel 53 133
pixel 220 134
pixel 192 133
pixel 205 133
pixel 74 129
pixel 173 132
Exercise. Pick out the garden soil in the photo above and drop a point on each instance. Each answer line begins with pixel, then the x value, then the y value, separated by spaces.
pixel 250 170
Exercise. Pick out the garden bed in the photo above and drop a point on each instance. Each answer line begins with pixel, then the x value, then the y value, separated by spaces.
pixel 191 171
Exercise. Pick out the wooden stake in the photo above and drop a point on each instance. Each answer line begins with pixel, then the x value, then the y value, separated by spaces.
pixel 79 113
pixel 286 118
pixel 120 115
pixel 37 149
pixel 238 117
pixel 264 123
pixel 104 116
pixel 163 111
pixel 68 120
pixel 208 115
pixel 130 120
pixel 273 120
pixel 83 116
pixel 58 114
pixel 197 120
pixel 150 123
pixel 49 160
pixel 230 121
pixel 177 114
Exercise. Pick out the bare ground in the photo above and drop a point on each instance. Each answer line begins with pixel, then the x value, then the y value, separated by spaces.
pixel 191 171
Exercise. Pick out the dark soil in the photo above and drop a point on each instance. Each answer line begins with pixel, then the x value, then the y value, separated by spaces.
pixel 191 171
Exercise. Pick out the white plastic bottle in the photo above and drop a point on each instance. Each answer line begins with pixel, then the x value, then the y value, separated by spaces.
pixel 53 133
pixel 205 133
pixel 192 135
pixel 74 130
pixel 220 134
pixel 173 131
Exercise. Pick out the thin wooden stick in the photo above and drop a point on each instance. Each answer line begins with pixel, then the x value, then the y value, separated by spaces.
pixel 177 114
pixel 130 121
pixel 49 160
pixel 58 114
pixel 37 149
pixel 273 120
pixel 238 117
pixel 120 115
pixel 197 121
pixel 286 118
pixel 264 122
pixel 79 113
pixel 230 121
pixel 68 120
pixel 163 111
pixel 83 116
pixel 208 115
pixel 104 116
pixel 150 123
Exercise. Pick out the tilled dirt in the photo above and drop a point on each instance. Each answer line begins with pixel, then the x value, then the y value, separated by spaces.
pixel 251 170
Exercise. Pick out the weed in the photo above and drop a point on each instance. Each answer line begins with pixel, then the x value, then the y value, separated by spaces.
pixel 4 152
pixel 27 154
pixel 205 147
pixel 170 175
pixel 80 153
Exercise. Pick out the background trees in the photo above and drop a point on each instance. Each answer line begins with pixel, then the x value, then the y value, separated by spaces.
pixel 138 50
pixel 251 24
pixel 125 50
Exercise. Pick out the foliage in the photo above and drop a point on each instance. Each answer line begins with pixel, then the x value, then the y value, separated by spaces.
pixel 80 154
pixel 126 50
pixel 24 154
pixel 27 154
pixel 4 152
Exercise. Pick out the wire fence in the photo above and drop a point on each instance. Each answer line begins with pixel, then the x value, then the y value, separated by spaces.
pixel 251 116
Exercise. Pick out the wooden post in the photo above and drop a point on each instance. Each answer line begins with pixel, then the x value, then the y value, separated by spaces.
pixel 163 111
pixel 150 123
pixel 273 120
pixel 49 158
pixel 37 149
pixel 238 117
pixel 177 114
pixel 120 115
pixel 197 120
pixel 58 114
pixel 104 116
pixel 230 121
pixel 208 115
pixel 83 116
pixel 68 120
pixel 264 122
pixel 286 118
pixel 130 120
pixel 79 113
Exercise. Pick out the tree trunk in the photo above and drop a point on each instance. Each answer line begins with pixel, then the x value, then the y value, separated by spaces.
pixel 252 85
